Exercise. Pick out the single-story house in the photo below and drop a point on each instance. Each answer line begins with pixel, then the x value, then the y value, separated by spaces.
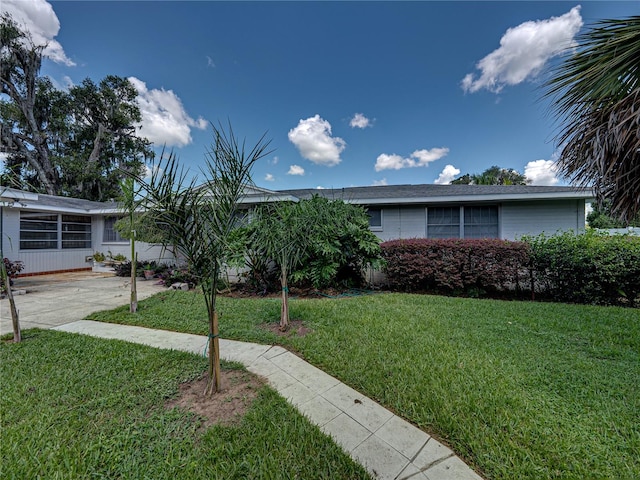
pixel 464 211
pixel 58 234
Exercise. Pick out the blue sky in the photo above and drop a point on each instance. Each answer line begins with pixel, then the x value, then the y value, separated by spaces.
pixel 350 93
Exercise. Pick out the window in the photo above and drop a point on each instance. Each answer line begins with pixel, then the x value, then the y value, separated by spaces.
pixel 375 218
pixel 39 231
pixel 110 234
pixel 477 222
pixel 481 222
pixel 443 222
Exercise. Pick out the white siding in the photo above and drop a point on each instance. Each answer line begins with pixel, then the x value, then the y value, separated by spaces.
pixel 145 251
pixel 515 219
pixel 525 218
pixel 36 261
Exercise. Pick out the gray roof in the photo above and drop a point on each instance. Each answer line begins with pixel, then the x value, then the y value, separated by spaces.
pixel 427 193
pixel 42 201
pixel 72 203
pixel 375 195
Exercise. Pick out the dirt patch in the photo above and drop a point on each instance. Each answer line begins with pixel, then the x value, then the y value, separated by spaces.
pixel 227 407
pixel 297 328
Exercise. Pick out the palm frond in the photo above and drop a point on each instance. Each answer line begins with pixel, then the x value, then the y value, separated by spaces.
pixel 596 97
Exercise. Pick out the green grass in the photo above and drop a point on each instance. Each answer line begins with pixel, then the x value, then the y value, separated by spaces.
pixel 518 389
pixel 75 407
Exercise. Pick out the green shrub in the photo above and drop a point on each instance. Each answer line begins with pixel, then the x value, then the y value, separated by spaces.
pixel 470 266
pixel 331 241
pixel 12 268
pixel 591 267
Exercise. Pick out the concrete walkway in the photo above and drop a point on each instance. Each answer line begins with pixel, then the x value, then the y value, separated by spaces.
pixel 387 446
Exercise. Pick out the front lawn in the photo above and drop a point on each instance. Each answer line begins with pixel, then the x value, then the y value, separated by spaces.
pixel 517 389
pixel 76 407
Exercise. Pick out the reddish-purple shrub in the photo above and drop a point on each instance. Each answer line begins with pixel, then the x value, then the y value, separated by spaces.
pixel 450 265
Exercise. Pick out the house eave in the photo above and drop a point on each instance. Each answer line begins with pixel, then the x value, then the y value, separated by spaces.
pixel 470 198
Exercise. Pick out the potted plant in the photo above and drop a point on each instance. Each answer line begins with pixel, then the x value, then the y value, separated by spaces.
pixel 149 271
pixel 99 258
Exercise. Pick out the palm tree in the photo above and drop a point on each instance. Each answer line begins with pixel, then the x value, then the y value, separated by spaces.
pixel 493 176
pixel 596 99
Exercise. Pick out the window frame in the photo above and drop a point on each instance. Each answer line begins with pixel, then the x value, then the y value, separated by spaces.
pixel 71 232
pixel 118 238
pixel 376 227
pixel 462 222
pixel 430 215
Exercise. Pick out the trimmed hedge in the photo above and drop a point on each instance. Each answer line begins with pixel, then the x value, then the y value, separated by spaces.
pixel 592 268
pixel 473 267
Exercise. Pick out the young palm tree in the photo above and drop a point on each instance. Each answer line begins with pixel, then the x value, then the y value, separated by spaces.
pixel 596 98
pixel 197 220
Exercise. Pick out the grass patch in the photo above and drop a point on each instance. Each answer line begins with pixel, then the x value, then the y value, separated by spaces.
pixel 518 389
pixel 76 407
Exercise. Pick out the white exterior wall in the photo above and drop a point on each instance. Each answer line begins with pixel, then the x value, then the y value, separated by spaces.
pixel 515 219
pixel 534 218
pixel 53 260
pixel 145 251
pixel 37 261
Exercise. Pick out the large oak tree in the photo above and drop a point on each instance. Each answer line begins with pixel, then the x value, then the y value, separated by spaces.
pixel 73 143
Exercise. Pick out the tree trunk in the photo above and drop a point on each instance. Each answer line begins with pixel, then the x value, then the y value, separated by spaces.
pixel 284 312
pixel 214 383
pixel 133 303
pixel 17 334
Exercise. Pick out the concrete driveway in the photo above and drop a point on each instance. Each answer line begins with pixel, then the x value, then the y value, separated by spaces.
pixel 53 300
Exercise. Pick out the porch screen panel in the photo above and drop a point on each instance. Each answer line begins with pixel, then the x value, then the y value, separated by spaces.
pixel 481 222
pixel 38 231
pixel 443 222
pixel 76 231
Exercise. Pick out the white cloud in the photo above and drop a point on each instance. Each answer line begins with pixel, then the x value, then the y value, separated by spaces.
pixel 274 160
pixel 313 139
pixel 541 172
pixel 164 119
pixel 360 121
pixel 380 182
pixel 38 18
pixel 210 62
pixel 449 172
pixel 269 178
pixel 295 170
pixel 319 187
pixel 523 52
pixel 419 158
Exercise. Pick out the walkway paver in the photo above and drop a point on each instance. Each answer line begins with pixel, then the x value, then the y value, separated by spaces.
pixel 386 445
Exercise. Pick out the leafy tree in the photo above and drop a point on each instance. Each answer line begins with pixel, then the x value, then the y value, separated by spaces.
pixel 318 241
pixel 596 99
pixel 280 232
pixel 74 143
pixel 342 246
pixel 600 217
pixel 198 220
pixel 493 176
